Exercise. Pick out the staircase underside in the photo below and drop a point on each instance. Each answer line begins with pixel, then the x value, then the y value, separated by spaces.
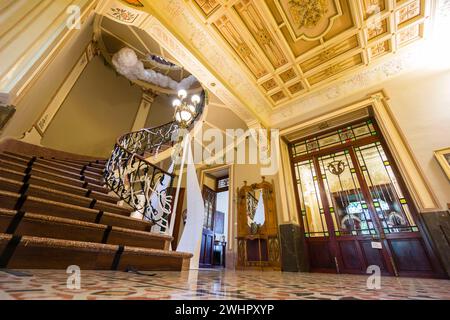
pixel 55 213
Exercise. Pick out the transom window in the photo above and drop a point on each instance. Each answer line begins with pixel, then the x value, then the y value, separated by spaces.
pixel 346 185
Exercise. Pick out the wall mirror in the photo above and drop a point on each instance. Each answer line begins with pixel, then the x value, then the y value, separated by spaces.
pixel 258 244
pixel 255 210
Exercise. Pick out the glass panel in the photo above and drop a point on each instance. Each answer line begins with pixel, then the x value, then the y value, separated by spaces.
pixel 312 210
pixel 209 200
pixel 341 136
pixel 223 183
pixel 347 205
pixel 389 201
pixel 330 141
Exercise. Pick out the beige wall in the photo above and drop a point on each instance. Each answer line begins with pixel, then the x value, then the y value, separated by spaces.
pixel 38 96
pixel 421 105
pixel 100 107
pixel 29 32
pixel 161 111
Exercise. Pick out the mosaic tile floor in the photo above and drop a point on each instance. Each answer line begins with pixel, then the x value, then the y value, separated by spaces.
pixel 212 284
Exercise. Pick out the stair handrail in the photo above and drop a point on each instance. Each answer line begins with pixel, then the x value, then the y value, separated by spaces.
pixel 134 179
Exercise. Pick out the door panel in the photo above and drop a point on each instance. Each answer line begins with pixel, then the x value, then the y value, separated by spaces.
pixel 392 208
pixel 348 207
pixel 374 257
pixel 320 255
pixel 313 213
pixel 206 252
pixel 207 247
pixel 410 256
pixel 351 256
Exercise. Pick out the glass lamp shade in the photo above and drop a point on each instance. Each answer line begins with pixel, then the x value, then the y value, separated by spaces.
pixel 184 115
pixel 185 112
pixel 195 99
pixel 178 117
pixel 176 103
pixel 182 94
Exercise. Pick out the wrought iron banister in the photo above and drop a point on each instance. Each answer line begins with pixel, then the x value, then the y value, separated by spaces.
pixel 141 184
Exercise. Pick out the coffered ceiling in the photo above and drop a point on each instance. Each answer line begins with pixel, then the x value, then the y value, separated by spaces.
pixel 292 47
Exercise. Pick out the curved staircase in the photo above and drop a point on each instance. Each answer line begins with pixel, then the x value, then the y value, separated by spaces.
pixel 57 211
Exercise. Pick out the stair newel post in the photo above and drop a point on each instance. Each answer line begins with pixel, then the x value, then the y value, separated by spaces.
pixel 185 141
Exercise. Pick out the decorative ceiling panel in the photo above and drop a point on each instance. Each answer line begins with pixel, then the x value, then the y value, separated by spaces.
pixel 235 39
pixel 293 47
pixel 258 28
pixel 207 6
pixel 309 19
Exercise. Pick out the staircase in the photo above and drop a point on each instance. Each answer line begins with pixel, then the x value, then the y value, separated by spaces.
pixel 57 211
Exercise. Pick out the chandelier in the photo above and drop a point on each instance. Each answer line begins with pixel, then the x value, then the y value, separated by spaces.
pixel 185 111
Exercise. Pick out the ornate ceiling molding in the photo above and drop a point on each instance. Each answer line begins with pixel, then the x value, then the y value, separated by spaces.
pixel 309 19
pixel 353 84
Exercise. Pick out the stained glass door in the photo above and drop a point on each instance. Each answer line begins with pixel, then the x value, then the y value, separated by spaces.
pixel 351 208
pixel 354 208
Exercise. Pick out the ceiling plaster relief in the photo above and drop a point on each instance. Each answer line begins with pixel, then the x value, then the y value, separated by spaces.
pixel 354 84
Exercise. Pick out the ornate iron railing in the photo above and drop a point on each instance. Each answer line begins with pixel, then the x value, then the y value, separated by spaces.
pixel 141 184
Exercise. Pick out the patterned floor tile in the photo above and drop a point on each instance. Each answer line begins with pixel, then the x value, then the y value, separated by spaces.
pixel 213 284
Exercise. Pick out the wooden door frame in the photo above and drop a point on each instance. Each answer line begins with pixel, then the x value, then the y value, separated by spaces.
pixel 377 105
pixel 210 232
pixel 231 249
pixel 178 219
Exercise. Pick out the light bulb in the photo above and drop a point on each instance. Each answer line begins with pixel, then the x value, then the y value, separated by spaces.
pixel 185 116
pixel 176 103
pixel 195 99
pixel 182 94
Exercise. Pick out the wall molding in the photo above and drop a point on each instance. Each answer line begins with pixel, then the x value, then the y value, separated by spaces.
pixel 416 182
pixel 58 99
pixel 34 61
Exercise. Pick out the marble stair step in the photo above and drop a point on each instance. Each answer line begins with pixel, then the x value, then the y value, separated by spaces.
pixel 96 179
pixel 31 189
pixel 78 181
pixel 60 186
pixel 15 201
pixel 99 164
pixel 38 225
pixel 46 164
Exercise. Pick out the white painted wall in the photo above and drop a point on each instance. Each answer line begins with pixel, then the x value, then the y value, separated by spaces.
pixel 222 205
